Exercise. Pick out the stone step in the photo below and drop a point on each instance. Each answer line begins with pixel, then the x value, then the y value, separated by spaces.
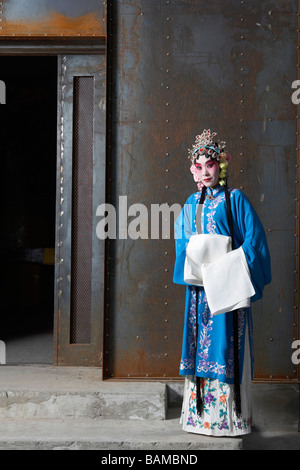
pixel 48 407
pixel 112 435
pixel 74 392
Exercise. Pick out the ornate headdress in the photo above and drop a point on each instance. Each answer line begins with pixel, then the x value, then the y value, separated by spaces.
pixel 206 144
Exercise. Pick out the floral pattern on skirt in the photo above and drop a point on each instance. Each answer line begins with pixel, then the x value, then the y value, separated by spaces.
pixel 218 417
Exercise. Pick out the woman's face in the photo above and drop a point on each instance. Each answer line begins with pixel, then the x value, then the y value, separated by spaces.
pixel 208 171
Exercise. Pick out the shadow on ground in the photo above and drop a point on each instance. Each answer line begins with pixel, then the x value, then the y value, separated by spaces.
pixel 279 440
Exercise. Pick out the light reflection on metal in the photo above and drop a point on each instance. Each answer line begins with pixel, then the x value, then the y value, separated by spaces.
pixel 60 208
pixel 54 18
pixel 296 321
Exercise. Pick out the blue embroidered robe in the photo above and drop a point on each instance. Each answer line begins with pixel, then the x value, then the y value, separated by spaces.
pixel 210 355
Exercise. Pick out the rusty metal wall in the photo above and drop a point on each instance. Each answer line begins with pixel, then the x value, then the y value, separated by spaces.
pixel 54 18
pixel 174 68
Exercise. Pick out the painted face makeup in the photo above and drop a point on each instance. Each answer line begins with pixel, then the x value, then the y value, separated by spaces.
pixel 208 171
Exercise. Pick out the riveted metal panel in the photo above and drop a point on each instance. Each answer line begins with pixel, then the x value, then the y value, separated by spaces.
pixel 178 67
pixel 62 18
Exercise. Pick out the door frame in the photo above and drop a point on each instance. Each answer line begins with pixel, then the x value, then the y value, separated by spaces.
pixel 60 48
pixel 67 352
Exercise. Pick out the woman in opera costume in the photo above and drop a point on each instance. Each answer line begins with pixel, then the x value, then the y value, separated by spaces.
pixel 222 258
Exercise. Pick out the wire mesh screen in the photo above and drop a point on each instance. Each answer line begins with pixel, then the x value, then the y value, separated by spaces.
pixel 82 210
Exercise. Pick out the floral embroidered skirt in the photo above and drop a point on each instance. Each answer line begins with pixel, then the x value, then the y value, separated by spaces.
pixel 218 418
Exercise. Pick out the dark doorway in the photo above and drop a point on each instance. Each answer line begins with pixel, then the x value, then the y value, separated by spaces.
pixel 28 123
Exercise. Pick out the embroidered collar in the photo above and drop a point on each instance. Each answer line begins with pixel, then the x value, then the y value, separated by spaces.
pixel 212 193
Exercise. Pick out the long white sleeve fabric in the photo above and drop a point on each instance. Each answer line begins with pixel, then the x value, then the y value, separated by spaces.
pixel 227 282
pixel 202 249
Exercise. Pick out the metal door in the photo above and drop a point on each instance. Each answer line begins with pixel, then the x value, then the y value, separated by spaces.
pixel 179 67
pixel 80 188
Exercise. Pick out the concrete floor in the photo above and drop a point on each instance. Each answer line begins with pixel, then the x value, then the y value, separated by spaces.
pixel 268 440
pixel 38 349
pixel 30 349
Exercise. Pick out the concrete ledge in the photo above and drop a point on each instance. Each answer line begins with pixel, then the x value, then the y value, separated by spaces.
pixel 54 392
pixel 106 435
